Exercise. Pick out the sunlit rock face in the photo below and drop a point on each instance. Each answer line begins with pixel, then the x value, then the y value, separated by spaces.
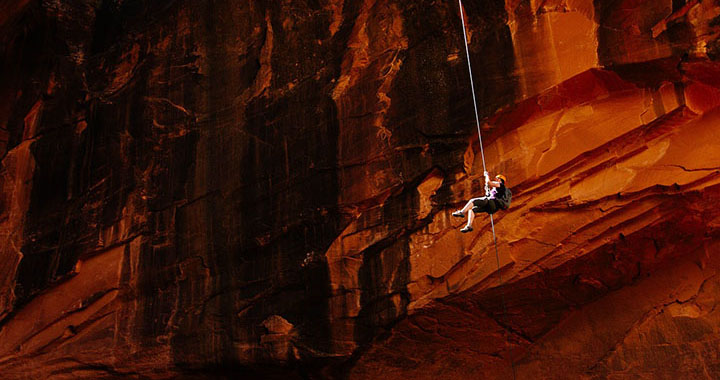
pixel 211 189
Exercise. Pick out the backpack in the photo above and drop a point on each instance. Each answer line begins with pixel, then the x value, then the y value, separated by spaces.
pixel 504 201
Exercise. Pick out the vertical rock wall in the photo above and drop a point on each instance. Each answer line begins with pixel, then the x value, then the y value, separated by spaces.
pixel 217 188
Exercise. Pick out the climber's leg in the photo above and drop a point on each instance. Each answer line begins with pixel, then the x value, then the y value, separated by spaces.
pixel 461 213
pixel 480 204
pixel 471 218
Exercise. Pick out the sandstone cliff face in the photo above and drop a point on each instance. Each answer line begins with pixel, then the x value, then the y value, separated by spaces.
pixel 210 189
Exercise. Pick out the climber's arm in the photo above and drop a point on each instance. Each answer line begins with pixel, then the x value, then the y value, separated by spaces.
pixel 491 183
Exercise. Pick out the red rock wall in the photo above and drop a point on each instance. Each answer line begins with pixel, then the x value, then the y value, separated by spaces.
pixel 263 189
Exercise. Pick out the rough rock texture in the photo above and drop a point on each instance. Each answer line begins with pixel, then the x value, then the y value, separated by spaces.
pixel 209 189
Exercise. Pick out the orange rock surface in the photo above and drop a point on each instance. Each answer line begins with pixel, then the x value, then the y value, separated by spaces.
pixel 263 189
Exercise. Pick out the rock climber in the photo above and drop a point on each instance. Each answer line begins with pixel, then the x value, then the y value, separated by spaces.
pixel 498 199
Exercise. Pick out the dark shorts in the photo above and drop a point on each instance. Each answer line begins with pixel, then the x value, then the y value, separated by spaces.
pixel 487 205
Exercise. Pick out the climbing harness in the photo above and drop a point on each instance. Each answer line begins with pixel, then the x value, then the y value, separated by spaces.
pixel 482 154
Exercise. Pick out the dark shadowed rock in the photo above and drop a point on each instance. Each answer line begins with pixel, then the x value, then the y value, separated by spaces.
pixel 220 189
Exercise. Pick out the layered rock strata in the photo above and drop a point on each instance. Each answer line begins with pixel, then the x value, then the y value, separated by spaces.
pixel 213 189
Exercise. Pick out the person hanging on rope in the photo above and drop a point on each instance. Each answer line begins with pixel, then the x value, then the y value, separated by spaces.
pixel 498 199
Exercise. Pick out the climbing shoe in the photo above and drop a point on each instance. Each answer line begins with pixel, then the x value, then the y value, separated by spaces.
pixel 466 229
pixel 458 214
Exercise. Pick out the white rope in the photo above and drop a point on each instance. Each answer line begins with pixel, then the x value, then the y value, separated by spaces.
pixel 472 87
pixel 482 154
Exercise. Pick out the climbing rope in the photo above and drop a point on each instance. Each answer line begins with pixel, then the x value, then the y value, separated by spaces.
pixel 482 154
